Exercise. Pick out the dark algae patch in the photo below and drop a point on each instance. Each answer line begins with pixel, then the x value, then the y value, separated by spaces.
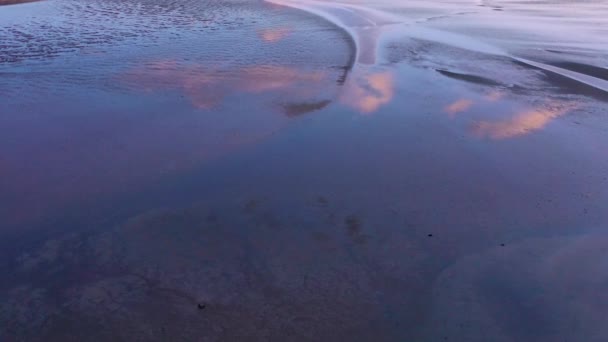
pixel 15 2
pixel 470 78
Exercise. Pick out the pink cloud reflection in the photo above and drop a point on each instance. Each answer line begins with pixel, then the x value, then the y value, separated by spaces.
pixel 80 159
pixel 207 86
pixel 521 123
pixel 459 106
pixel 367 90
pixel 274 35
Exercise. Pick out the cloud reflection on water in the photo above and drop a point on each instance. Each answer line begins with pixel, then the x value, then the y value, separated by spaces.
pixel 206 87
pixel 521 123
pixel 367 90
pixel 134 152
pixel 274 35
pixel 458 106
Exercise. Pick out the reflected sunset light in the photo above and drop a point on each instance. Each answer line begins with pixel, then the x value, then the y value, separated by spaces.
pixel 521 123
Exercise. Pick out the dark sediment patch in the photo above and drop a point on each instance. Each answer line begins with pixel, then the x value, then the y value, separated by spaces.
pixel 469 78
pixel 297 109
pixel 15 2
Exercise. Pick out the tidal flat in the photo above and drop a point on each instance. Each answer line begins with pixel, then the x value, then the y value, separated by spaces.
pixel 299 170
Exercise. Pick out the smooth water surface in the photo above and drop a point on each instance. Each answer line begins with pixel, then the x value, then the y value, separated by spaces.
pixel 230 170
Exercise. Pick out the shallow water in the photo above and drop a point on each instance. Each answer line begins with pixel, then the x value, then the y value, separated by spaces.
pixel 303 170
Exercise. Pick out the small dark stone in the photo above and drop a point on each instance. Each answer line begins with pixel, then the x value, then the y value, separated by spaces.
pixel 502 244
pixel 430 235
pixel 201 306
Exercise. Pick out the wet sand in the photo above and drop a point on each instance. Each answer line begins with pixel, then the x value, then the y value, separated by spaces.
pixel 303 171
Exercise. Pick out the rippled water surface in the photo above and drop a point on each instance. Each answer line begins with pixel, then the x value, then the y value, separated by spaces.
pixel 297 170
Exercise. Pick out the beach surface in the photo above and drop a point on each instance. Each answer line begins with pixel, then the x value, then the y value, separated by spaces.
pixel 297 170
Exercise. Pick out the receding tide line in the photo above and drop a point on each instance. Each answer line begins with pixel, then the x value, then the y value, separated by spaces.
pixel 366 26
pixel 582 78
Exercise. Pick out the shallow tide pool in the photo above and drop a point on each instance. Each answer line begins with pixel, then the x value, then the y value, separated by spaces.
pixel 230 170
